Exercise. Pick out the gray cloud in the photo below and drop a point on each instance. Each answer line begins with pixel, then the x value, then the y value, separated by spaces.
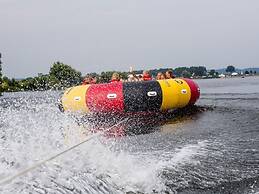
pixel 111 35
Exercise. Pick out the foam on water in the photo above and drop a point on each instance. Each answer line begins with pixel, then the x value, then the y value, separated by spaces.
pixel 119 171
pixel 32 129
pixel 30 132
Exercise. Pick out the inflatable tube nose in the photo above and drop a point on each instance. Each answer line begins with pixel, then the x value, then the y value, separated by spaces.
pixel 195 90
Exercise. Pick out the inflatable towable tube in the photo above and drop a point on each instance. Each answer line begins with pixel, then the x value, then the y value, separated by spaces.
pixel 131 96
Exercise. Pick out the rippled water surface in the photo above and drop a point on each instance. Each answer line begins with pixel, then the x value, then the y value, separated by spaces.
pixel 211 151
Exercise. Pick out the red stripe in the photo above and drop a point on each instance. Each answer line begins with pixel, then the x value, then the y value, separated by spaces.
pixel 195 90
pixel 105 97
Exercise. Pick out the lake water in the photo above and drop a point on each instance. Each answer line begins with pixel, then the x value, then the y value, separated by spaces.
pixel 211 151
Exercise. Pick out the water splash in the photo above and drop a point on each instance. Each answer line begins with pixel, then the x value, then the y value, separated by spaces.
pixel 32 129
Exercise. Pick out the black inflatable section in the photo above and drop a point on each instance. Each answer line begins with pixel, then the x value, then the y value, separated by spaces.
pixel 142 96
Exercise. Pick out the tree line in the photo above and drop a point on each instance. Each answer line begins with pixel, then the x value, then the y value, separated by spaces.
pixel 1 89
pixel 62 76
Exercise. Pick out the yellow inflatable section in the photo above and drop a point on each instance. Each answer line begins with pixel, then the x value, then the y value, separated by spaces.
pixel 74 99
pixel 176 93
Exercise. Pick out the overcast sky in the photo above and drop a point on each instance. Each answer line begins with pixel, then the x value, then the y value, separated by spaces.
pixel 96 35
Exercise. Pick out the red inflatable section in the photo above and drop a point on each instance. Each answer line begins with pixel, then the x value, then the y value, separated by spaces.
pixel 105 97
pixel 195 90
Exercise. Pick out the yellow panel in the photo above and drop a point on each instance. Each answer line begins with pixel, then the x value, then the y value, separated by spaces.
pixel 74 99
pixel 169 94
pixel 176 93
pixel 185 93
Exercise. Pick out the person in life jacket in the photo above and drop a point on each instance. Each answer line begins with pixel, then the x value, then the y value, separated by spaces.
pixel 169 74
pixel 160 76
pixel 132 78
pixel 140 78
pixel 87 80
pixel 146 76
pixel 93 80
pixel 115 78
pixel 163 76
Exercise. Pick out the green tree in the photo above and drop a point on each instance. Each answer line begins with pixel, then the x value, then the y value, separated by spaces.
pixel 65 74
pixel 42 82
pixel 212 72
pixel 124 75
pixel 1 88
pixel 198 71
pixel 53 82
pixel 1 82
pixel 105 77
pixel 182 72
pixel 230 69
pixel 92 75
pixel 13 85
pixel 186 74
pixel 5 84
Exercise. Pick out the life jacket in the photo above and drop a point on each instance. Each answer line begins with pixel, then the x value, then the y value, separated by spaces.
pixel 147 77
pixel 93 81
pixel 114 81
pixel 85 82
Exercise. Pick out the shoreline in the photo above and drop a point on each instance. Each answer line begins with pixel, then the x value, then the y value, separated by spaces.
pixel 227 77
